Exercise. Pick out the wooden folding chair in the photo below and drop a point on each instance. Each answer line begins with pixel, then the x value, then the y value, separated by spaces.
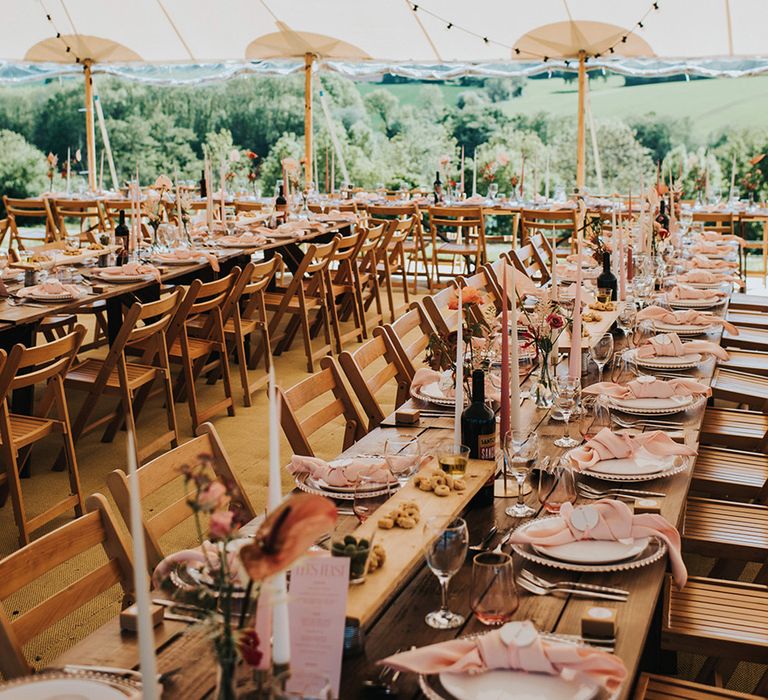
pixel 391 260
pixel 731 427
pixel 747 339
pixel 654 687
pixel 370 369
pixel 410 335
pixel 717 222
pixel 320 399
pixel 87 211
pixel 725 620
pixel 165 469
pixel 143 327
pixel 731 474
pixel 35 209
pixel 97 528
pixel 751 361
pixel 747 319
pixel 194 335
pixel 344 293
pixel 413 246
pixel 444 319
pixel 47 365
pixel 243 205
pixel 306 294
pixel 367 271
pixel 731 533
pixel 740 387
pixel 464 227
pixel 485 284
pixel 747 302
pixel 529 261
pixel 557 226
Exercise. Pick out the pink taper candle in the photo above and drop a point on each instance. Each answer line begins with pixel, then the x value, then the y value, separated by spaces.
pixel 459 375
pixel 622 267
pixel 574 360
pixel 514 354
pixel 504 410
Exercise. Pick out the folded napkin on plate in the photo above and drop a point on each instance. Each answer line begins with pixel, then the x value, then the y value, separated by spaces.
pixel 684 317
pixel 587 260
pixel 704 277
pixel 703 263
pixel 717 237
pixel 525 286
pixel 608 520
pixel 724 249
pixel 475 199
pixel 346 475
pixel 682 292
pixel 609 445
pixel 52 288
pixel 670 345
pixel 649 388
pixel 192 255
pixel 133 268
pixel 516 646
pixel 342 215
pixel 246 238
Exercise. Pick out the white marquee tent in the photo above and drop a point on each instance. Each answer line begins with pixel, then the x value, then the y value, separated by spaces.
pixel 171 41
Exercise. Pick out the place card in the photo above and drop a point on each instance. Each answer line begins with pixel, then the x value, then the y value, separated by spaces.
pixel 317 603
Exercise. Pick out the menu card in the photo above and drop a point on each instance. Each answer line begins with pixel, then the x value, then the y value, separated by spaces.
pixel 317 610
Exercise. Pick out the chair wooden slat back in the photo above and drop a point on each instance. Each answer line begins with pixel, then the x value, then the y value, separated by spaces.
pixel 22 568
pixel 88 211
pixel 245 205
pixel 165 469
pixel 559 224
pixel 485 284
pixel 444 319
pixel 410 335
pixel 371 368
pixel 21 209
pixel 719 222
pixel 328 385
pixel 526 259
pixel 464 228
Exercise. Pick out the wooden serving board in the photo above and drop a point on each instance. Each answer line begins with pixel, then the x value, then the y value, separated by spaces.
pixel 594 330
pixel 405 548
pixel 62 260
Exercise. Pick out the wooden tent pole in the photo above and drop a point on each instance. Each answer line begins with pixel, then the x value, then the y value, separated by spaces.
pixel 90 132
pixel 580 141
pixel 308 60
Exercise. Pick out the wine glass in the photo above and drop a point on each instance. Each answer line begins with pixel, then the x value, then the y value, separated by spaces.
pixel 446 549
pixel 493 190
pixel 594 416
pixel 403 456
pixel 520 449
pixel 567 391
pixel 601 353
pixel 557 485
pixel 452 458
pixel 626 318
pixel 493 594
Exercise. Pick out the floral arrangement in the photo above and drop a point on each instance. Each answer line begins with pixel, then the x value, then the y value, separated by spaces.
pixel 71 163
pixel 752 180
pixel 253 166
pixel 292 171
pixel 232 566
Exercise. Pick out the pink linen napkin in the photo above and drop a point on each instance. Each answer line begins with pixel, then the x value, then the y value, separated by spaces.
pixel 703 263
pixel 717 237
pixel 52 288
pixel 609 445
pixel 525 286
pixel 192 255
pixel 682 292
pixel 515 646
pixel 374 470
pixel 649 388
pixel 609 520
pixel 684 317
pixel 588 260
pixel 134 268
pixel 712 249
pixel 424 376
pixel 704 277
pixel 246 238
pixel 670 345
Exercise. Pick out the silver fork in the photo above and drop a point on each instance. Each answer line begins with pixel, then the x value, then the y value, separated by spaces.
pixel 579 593
pixel 642 423
pixel 586 488
pixel 533 578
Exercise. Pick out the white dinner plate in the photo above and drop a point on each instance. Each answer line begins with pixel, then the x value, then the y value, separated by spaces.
pixel 434 394
pixel 241 244
pixel 673 404
pixel 707 303
pixel 340 464
pixel 119 278
pixel 594 551
pixel 682 329
pixel 634 466
pixel 62 689
pixel 514 685
pixel 668 362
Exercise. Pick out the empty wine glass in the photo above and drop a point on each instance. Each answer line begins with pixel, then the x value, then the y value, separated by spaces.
pixel 626 318
pixel 520 449
pixel 403 456
pixel 493 594
pixel 557 485
pixel 593 416
pixel 567 395
pixel 445 552
pixel 601 352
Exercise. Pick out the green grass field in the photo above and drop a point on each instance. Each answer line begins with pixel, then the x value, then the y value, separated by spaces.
pixel 713 105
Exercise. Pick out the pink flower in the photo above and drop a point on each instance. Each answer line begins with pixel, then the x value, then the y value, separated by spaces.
pixel 469 295
pixel 220 525
pixel 212 496
pixel 555 321
pixel 248 646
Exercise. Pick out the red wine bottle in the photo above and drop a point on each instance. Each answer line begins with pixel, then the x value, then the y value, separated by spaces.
pixel 122 237
pixel 478 422
pixel 607 279
pixel 437 188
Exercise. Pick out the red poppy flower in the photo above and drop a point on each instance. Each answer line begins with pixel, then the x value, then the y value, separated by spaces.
pixel 248 646
pixel 555 321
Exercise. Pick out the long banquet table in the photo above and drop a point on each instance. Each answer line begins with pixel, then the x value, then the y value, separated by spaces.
pixel 398 623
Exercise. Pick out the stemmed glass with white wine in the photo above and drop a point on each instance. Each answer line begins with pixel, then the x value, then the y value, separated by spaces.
pixel 601 353
pixel 445 552
pixel 521 448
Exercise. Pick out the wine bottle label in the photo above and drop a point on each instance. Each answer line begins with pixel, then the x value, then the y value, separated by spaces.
pixel 486 446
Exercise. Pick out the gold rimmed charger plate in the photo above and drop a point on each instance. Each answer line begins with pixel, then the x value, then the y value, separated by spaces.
pixel 304 482
pixel 431 393
pixel 84 685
